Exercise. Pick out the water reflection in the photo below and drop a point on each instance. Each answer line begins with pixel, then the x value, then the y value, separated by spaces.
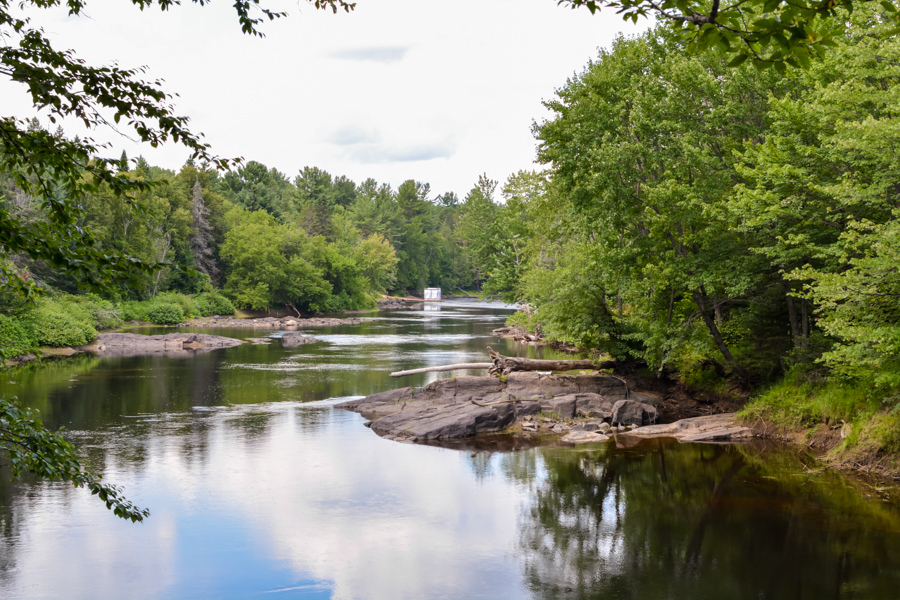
pixel 672 521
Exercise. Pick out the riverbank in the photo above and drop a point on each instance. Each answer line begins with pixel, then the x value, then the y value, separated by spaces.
pixel 539 409
pixel 850 425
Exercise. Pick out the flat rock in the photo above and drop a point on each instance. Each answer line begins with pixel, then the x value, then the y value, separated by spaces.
pixel 712 428
pixel 271 322
pixel 573 406
pixel 171 344
pixel 583 437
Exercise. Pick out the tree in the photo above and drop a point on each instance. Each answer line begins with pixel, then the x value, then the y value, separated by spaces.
pixel 201 238
pixel 773 32
pixel 266 264
pixel 820 202
pixel 60 172
pixel 643 145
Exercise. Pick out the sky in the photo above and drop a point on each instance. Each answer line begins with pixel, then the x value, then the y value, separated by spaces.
pixel 433 90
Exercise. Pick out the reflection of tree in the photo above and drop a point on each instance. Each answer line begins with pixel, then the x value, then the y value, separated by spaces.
pixel 692 521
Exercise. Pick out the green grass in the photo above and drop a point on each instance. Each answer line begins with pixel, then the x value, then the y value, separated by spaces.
pixel 804 400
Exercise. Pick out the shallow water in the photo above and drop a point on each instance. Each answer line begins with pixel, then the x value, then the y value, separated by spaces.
pixel 259 488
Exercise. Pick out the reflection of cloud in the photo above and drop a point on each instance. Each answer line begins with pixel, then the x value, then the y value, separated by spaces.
pixel 382 54
pixel 312 502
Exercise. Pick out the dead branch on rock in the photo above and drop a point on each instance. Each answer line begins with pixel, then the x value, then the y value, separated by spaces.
pixel 504 365
pixel 441 368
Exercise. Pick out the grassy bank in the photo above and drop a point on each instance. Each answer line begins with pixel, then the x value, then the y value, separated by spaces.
pixel 855 423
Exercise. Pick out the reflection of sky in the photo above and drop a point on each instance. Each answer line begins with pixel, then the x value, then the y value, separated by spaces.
pixel 308 504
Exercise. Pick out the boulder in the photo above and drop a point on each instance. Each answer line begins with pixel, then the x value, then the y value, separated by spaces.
pixel 593 405
pixel 561 407
pixel 631 412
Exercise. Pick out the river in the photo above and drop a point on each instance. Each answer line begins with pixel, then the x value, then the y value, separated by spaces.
pixel 260 488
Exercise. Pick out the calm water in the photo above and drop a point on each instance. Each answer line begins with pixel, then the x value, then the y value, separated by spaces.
pixel 259 488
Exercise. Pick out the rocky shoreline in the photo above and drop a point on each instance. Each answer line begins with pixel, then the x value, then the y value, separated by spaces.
pixel 573 408
pixel 270 322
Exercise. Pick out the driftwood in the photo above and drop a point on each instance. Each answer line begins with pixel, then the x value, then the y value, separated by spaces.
pixel 504 365
pixel 456 367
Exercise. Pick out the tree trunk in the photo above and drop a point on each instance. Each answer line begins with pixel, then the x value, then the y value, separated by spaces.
pixel 504 365
pixel 717 336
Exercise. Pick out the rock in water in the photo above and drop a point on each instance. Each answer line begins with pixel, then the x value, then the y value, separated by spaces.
pixel 292 340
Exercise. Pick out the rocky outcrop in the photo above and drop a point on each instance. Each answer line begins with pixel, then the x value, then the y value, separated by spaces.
pixel 467 406
pixel 270 322
pixel 292 340
pixel 172 344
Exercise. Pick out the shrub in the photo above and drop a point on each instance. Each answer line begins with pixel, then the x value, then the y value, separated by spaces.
pixel 59 323
pixel 134 311
pixel 187 304
pixel 165 313
pixel 16 337
pixel 213 303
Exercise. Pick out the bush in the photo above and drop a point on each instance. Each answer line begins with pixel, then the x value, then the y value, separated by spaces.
pixel 135 311
pixel 165 313
pixel 16 337
pixel 59 323
pixel 102 313
pixel 187 304
pixel 213 303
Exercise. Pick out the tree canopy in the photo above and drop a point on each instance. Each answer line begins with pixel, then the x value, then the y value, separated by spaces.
pixel 773 32
pixel 61 173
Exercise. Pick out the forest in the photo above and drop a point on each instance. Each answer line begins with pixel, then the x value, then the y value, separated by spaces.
pixel 714 220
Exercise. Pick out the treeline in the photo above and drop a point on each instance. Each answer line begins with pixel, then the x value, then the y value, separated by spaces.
pixel 249 238
pixel 717 220
pixel 316 243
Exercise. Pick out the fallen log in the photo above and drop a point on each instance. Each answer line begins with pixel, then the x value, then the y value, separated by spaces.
pixel 438 369
pixel 504 365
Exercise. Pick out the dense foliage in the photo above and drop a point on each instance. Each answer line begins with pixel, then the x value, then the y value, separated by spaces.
pixel 704 216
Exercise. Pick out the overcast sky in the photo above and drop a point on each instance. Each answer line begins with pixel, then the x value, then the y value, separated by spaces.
pixel 433 90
